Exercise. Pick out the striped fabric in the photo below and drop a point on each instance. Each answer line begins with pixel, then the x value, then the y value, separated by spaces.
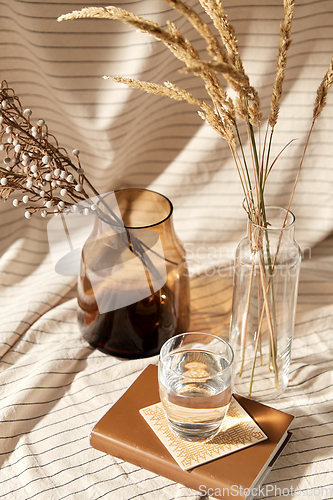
pixel 53 386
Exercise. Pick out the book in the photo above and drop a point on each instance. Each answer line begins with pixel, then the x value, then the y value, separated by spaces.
pixel 123 433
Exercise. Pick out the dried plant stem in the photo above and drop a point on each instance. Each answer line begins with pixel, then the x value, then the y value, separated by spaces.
pixel 241 175
pixel 257 340
pixel 248 179
pixel 270 324
pixel 254 163
pixel 244 177
pixel 315 116
pixel 319 105
pixel 245 320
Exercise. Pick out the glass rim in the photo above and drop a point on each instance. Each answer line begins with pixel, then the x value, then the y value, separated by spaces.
pixel 157 223
pixel 282 228
pixel 223 341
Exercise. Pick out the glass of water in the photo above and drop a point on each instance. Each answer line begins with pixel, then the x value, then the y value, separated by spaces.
pixel 195 383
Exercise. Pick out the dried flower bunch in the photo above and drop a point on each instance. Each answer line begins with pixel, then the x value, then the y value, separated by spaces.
pixel 41 173
pixel 223 112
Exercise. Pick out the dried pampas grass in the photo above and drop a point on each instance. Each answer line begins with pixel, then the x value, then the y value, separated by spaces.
pixel 223 61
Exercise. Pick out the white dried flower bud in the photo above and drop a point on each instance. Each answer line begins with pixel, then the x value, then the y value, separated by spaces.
pixel 46 160
pixel 63 192
pixel 61 204
pixel 7 160
pixel 9 129
pixel 93 207
pixel 69 178
pixel 53 184
pixel 43 213
pixel 62 174
pixel 78 187
pixel 15 143
pixel 27 112
pixel 17 148
pixel 1 119
pixel 9 140
pixel 25 156
pixel 40 122
pixel 15 202
pixel 25 198
pixel 29 184
pixel 58 183
pixel 24 163
pixel 33 130
pixel 34 168
pixel 76 152
pixel 2 147
pixel 56 172
pixel 49 204
pixel 73 208
pixel 35 135
pixel 4 104
pixel 85 211
pixel 27 214
pixel 3 181
pixel 42 194
pixel 48 176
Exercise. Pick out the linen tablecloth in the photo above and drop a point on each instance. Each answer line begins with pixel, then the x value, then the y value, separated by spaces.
pixel 53 385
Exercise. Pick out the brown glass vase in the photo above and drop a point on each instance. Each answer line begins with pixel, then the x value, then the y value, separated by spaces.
pixel 133 288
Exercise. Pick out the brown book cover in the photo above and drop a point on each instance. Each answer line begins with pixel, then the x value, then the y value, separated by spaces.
pixel 122 432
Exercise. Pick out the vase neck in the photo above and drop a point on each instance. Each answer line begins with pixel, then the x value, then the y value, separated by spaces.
pixel 277 224
pixel 133 209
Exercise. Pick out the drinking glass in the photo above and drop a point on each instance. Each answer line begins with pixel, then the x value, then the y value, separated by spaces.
pixel 195 383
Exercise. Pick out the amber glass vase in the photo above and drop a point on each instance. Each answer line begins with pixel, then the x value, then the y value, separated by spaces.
pixel 133 288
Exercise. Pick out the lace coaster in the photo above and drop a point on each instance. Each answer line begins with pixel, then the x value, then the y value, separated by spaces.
pixel 238 431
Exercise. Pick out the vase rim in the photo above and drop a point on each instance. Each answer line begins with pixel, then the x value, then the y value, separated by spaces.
pixel 159 221
pixel 288 225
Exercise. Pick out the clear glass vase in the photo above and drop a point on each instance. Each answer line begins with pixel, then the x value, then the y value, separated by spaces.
pixel 133 288
pixel 266 275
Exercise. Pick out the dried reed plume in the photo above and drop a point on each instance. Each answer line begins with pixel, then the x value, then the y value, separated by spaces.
pixel 226 61
pixel 285 42
pixel 322 92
